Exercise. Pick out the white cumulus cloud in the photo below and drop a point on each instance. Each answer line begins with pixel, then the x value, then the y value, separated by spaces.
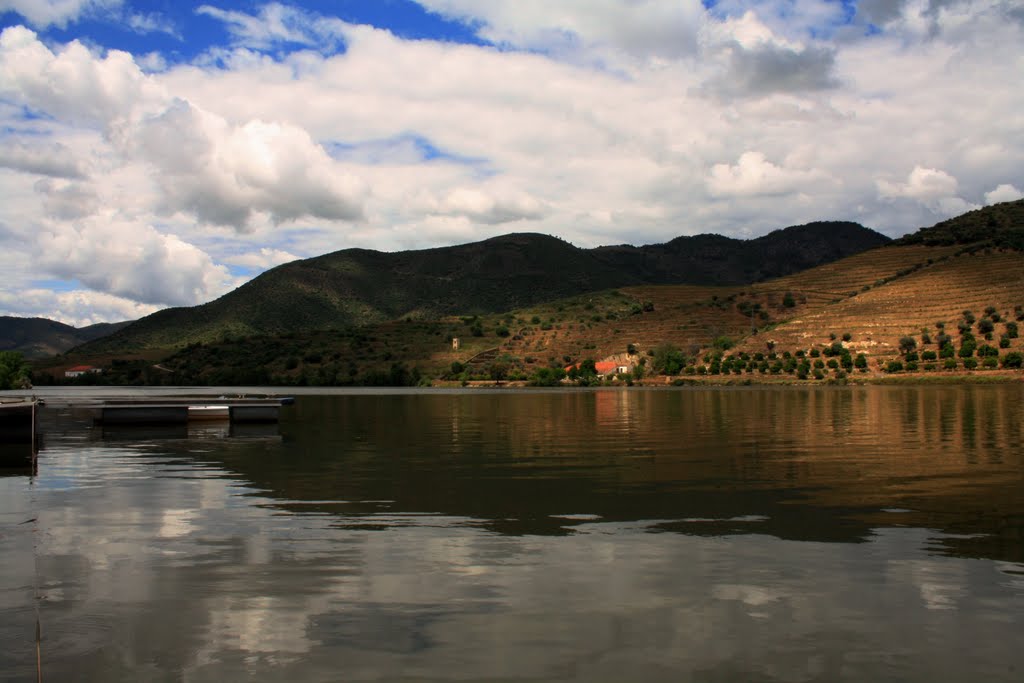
pixel 77 308
pixel 112 254
pixel 262 259
pixel 923 184
pixel 1003 193
pixel 43 13
pixel 753 175
pixel 219 171
pixel 224 173
pixel 932 188
pixel 484 207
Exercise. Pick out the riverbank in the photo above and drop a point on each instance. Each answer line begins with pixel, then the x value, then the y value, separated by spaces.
pixel 921 378
pixel 73 392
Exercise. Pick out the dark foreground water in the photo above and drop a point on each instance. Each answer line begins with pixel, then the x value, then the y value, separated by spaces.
pixel 861 534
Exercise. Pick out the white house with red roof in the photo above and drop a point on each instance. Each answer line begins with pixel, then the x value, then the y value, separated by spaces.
pixel 79 370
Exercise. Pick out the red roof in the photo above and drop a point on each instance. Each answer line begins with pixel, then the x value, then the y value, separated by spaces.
pixel 603 368
pixel 81 368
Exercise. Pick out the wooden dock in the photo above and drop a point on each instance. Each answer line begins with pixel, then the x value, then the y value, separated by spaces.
pixel 184 410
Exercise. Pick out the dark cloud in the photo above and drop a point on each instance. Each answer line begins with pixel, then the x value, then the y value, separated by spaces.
pixel 880 12
pixel 54 160
pixel 770 69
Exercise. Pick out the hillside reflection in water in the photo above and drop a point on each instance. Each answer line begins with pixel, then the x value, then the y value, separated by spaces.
pixel 733 534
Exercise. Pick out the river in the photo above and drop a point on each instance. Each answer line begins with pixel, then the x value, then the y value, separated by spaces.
pixel 722 534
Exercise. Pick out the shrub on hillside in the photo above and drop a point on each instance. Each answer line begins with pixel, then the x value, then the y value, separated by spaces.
pixel 668 359
pixel 547 377
pixel 722 343
pixel 985 350
pixel 894 366
pixel 835 349
pixel 1014 359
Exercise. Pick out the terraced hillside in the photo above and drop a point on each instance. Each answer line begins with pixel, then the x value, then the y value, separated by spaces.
pixel 878 318
pixel 692 318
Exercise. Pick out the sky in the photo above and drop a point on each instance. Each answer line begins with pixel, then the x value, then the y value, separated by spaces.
pixel 161 153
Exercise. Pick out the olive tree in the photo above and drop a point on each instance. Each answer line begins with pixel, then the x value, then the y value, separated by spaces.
pixel 13 370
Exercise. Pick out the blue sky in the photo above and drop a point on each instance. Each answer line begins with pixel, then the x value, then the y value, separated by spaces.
pixel 181 33
pixel 160 154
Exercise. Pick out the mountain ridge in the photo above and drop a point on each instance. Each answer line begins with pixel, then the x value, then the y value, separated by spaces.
pixel 41 337
pixel 354 287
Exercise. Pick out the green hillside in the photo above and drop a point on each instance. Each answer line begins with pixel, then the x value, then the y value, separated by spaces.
pixel 1001 225
pixel 39 337
pixel 358 287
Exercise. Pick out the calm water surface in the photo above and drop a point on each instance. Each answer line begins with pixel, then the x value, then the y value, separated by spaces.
pixel 652 535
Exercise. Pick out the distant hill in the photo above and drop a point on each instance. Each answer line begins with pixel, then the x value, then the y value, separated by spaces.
pixel 1001 225
pixel 717 260
pixel 357 287
pixel 40 337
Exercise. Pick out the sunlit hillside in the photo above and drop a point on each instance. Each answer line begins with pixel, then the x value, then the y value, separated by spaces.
pixel 939 293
